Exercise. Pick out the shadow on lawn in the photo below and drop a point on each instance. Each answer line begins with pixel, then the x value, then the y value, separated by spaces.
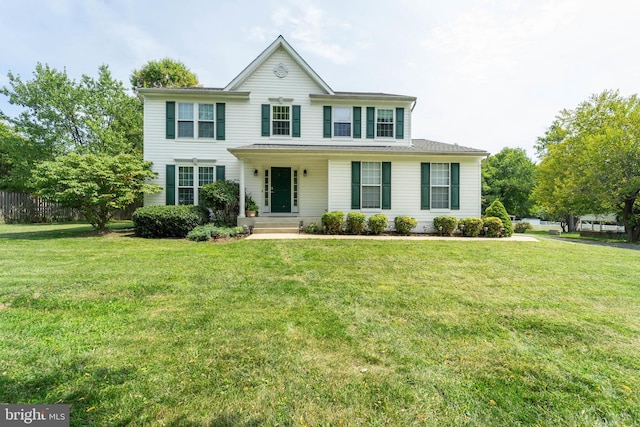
pixel 44 232
pixel 85 395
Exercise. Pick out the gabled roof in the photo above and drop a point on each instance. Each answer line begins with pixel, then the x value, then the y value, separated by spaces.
pixel 280 42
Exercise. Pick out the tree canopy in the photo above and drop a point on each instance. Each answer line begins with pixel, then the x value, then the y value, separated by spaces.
pixel 591 160
pixel 165 72
pixel 94 184
pixel 62 115
pixel 509 177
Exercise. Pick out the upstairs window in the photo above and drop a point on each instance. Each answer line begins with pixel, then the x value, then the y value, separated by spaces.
pixel 281 123
pixel 384 123
pixel 187 123
pixel 205 121
pixel 185 120
pixel 342 121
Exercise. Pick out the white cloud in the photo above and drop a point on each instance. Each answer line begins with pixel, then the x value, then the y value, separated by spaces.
pixel 310 28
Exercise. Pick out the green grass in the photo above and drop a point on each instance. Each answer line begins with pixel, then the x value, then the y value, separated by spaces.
pixel 131 331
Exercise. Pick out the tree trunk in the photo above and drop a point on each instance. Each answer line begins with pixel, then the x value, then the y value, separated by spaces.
pixel 572 223
pixel 630 221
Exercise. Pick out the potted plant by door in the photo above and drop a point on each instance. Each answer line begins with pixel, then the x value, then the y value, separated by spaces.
pixel 250 206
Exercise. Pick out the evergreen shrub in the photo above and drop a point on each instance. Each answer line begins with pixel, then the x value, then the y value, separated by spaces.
pixel 405 224
pixel 332 222
pixel 168 221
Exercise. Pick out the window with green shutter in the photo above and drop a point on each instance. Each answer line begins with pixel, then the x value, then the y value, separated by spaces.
pixel 425 183
pixel 170 187
pixel 295 121
pixel 357 122
pixel 220 124
pixel 399 123
pixel 371 122
pixel 326 121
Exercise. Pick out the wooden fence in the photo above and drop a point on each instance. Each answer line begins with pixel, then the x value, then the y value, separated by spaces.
pixel 23 208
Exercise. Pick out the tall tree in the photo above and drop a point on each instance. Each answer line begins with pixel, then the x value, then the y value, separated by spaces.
pixel 592 165
pixel 509 177
pixel 17 158
pixel 61 115
pixel 165 72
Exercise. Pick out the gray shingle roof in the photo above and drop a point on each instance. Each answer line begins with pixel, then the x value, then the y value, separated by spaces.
pixel 418 147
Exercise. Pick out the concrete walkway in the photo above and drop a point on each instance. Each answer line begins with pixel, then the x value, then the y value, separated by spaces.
pixel 287 236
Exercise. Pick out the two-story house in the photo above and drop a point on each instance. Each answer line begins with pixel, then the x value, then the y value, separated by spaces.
pixel 299 148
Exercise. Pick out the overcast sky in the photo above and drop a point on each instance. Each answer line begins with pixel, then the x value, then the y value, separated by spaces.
pixel 488 74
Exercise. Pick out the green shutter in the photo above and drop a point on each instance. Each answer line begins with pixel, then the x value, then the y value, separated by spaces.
pixel 386 185
pixel 171 120
pixel 399 123
pixel 355 185
pixel 220 173
pixel 170 188
pixel 425 182
pixel 455 186
pixel 295 125
pixel 220 125
pixel 357 122
pixel 371 122
pixel 326 122
pixel 266 119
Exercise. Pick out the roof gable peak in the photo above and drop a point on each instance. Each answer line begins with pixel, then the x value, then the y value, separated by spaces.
pixel 278 43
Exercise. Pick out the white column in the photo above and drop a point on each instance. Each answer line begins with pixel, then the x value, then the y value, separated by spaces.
pixel 241 213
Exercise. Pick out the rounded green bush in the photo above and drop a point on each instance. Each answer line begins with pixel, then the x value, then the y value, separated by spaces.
pixel 472 226
pixel 377 223
pixel 332 222
pixel 404 224
pixel 494 226
pixel 168 221
pixel 448 224
pixel 496 209
pixel 522 227
pixel 356 223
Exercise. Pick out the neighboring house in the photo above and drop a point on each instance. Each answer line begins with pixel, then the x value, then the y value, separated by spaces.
pixel 299 148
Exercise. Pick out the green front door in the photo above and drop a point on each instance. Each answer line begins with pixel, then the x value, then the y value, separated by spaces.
pixel 280 189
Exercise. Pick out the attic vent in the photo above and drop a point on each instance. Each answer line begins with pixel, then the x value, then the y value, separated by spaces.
pixel 281 70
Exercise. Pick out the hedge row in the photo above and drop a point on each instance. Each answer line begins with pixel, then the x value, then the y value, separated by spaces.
pixel 168 221
pixel 356 223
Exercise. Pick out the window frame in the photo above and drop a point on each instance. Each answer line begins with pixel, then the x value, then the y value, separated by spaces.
pixel 379 123
pixel 287 121
pixel 434 184
pixel 334 121
pixel 370 185
pixel 197 180
pixel 196 121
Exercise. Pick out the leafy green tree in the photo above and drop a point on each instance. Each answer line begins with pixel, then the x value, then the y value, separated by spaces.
pixel 94 184
pixel 17 158
pixel 593 164
pixel 165 72
pixel 62 115
pixel 509 177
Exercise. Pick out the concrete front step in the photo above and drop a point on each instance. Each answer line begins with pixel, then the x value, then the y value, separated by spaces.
pixel 273 227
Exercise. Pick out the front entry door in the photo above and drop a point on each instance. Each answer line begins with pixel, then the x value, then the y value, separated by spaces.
pixel 280 189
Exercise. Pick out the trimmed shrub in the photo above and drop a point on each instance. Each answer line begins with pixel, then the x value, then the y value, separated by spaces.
pixel 332 222
pixel 168 221
pixel 356 223
pixel 203 233
pixel 405 224
pixel 312 228
pixel 522 227
pixel 448 224
pixel 494 226
pixel 497 209
pixel 377 223
pixel 472 226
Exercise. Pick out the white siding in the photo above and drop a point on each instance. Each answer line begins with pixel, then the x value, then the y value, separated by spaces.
pixel 405 188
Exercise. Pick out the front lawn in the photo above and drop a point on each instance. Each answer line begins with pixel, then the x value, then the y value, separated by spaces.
pixel 131 331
